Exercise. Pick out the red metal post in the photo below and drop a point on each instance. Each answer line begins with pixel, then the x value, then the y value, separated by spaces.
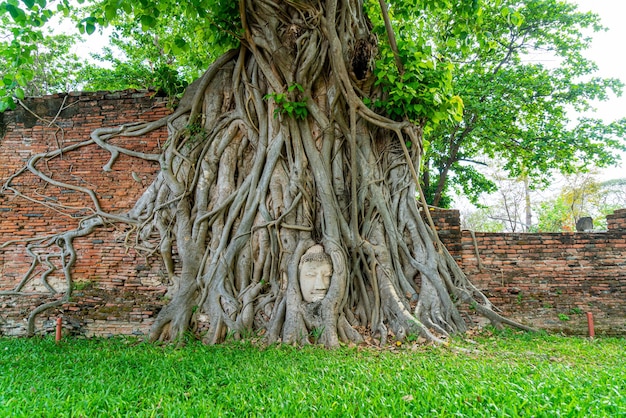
pixel 590 324
pixel 58 336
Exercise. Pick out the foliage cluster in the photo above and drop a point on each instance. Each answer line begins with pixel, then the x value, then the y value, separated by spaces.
pixel 162 38
pixel 545 376
pixel 52 66
pixel 581 196
pixel 418 82
pixel 35 61
pixel 472 73
pixel 523 72
pixel 162 45
pixel 284 106
pixel 21 32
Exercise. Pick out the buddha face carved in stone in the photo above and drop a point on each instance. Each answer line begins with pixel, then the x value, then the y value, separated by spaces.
pixel 315 271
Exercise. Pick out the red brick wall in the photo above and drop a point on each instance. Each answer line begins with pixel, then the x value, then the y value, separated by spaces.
pixel 117 291
pixel 551 280
pixel 547 280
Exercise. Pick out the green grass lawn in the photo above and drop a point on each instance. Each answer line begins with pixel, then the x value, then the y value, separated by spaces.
pixel 496 376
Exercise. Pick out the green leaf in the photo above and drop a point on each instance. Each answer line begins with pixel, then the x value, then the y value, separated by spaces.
pixel 19 93
pixel 4 105
pixel 90 28
pixel 147 22
pixel 16 13
pixel 62 9
pixel 110 12
pixel 294 87
pixel 7 103
pixel 180 44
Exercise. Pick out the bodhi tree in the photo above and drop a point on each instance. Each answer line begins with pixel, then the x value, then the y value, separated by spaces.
pixel 286 201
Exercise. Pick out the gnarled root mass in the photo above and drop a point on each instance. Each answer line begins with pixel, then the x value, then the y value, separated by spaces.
pixel 273 151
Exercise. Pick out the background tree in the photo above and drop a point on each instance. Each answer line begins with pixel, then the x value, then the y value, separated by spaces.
pixel 516 106
pixel 509 207
pixel 149 51
pixel 32 61
pixel 554 216
pixel 480 219
pixel 581 195
pixel 614 196
pixel 124 73
pixel 52 67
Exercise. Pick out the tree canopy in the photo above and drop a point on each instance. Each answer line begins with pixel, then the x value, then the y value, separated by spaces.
pixel 187 37
pixel 491 79
pixel 521 83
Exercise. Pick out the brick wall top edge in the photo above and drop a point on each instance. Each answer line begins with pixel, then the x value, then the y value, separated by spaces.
pixel 617 220
pixel 91 94
pixel 540 235
pixel 443 210
pixel 618 214
pixel 49 106
pixel 533 234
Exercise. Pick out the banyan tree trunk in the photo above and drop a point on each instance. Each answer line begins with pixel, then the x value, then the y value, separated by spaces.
pixel 275 170
pixel 284 206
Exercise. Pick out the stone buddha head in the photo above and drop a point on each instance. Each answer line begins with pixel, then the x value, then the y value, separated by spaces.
pixel 315 271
